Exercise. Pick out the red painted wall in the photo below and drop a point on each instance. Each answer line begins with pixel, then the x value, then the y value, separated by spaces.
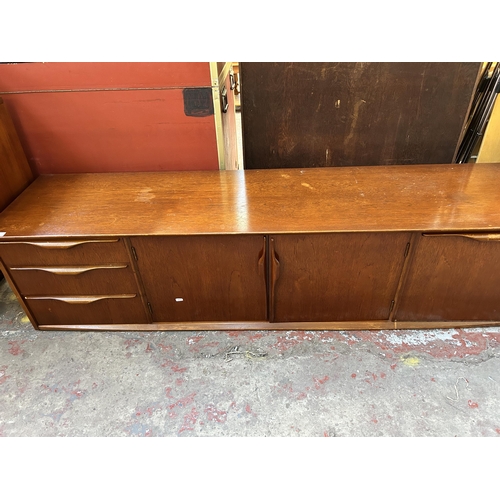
pixel 71 76
pixel 108 117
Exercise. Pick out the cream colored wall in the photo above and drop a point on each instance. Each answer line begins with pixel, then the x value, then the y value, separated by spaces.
pixel 489 151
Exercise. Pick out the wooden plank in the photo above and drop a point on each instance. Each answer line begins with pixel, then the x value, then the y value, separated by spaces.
pixel 388 198
pixel 301 326
pixel 140 130
pixel 343 114
pixel 15 173
pixel 70 76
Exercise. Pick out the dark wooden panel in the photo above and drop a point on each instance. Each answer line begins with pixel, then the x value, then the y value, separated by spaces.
pixel 337 114
pixel 119 131
pixel 52 76
pixel 335 277
pixel 70 252
pixel 204 278
pixel 452 278
pixel 15 173
pixel 125 309
pixel 391 198
pixel 54 281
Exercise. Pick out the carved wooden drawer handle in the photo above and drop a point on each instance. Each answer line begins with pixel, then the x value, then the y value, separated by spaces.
pixel 69 270
pixel 62 245
pixel 84 299
pixel 472 236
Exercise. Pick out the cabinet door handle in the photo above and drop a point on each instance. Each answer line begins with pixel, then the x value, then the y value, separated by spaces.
pixel 69 270
pixel 275 264
pixel 472 236
pixel 63 245
pixel 275 274
pixel 262 258
pixel 262 269
pixel 84 299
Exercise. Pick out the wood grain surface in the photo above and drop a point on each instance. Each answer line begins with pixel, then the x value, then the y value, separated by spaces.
pixel 451 278
pixel 85 253
pixel 389 198
pixel 262 325
pixel 15 172
pixel 126 308
pixel 320 114
pixel 336 277
pixel 204 278
pixel 98 281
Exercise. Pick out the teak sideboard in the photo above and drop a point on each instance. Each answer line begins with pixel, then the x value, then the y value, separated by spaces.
pixel 319 248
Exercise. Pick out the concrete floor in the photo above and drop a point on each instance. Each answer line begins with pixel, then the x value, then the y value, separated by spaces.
pixel 266 383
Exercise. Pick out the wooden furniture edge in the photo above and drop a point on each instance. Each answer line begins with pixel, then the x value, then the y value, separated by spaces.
pixel 20 299
pixel 15 172
pixel 459 198
pixel 319 326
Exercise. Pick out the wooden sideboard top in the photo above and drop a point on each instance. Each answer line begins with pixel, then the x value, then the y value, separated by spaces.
pixel 389 198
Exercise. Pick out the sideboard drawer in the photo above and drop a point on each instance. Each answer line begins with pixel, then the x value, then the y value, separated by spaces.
pixel 63 252
pixel 88 310
pixel 74 280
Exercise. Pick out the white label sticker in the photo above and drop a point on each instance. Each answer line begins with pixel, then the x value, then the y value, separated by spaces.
pixel 179 299
pixel 2 233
